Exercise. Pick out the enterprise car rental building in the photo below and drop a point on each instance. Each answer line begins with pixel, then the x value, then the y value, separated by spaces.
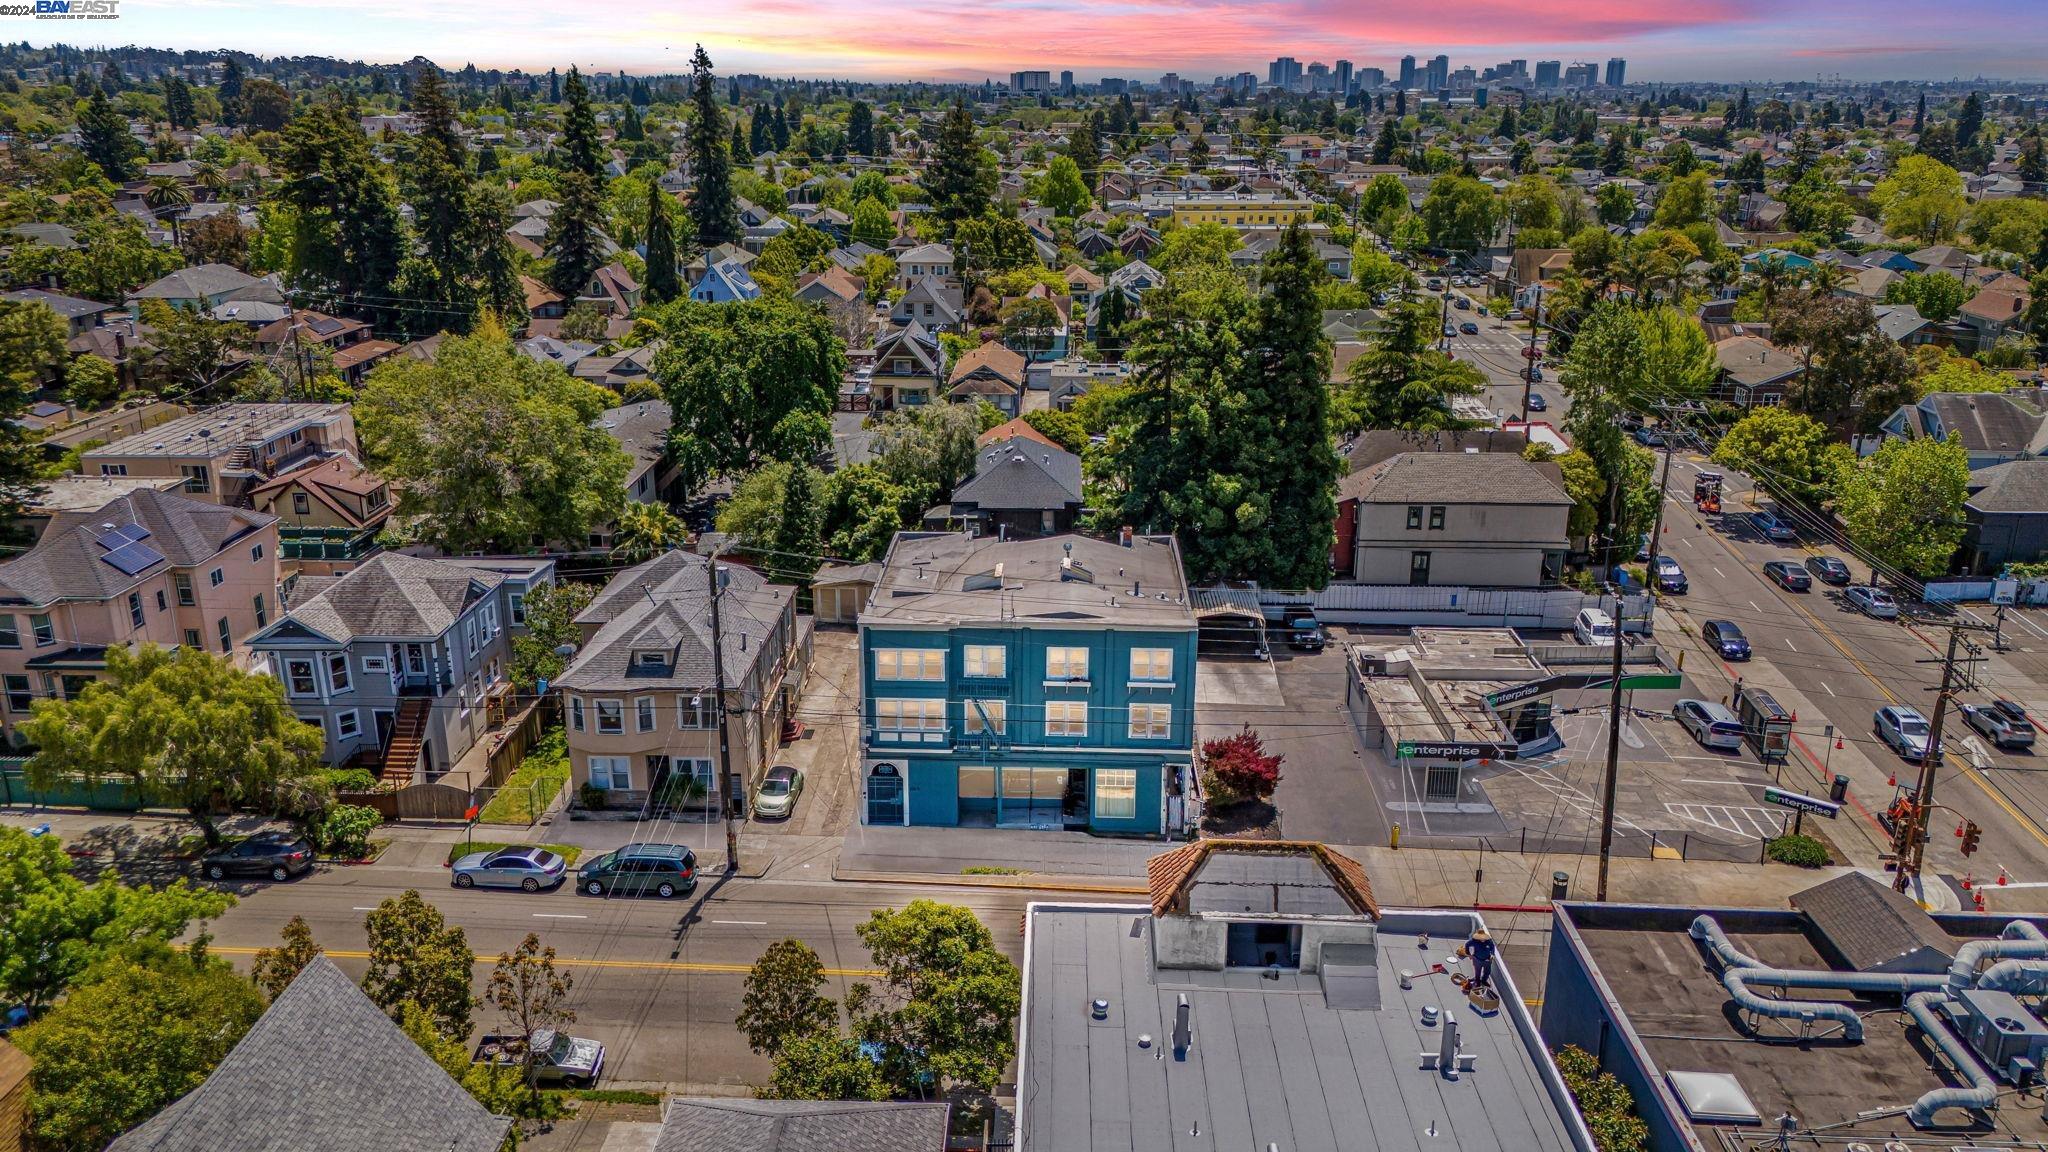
pixel 1046 683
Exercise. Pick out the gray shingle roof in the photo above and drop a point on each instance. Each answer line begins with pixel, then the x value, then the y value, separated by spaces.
pixel 1987 422
pixel 323 1070
pixel 66 563
pixel 1454 478
pixel 2016 486
pixel 197 281
pixel 720 1125
pixel 69 307
pixel 664 604
pixel 1021 475
pixel 394 595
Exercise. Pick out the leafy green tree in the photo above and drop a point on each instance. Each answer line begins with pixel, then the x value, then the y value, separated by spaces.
pixel 166 196
pixel 799 530
pixel 749 382
pixel 1029 324
pixel 1374 270
pixel 1064 191
pixel 1922 197
pixel 960 181
pixel 489 448
pixel 438 189
pixel 1614 204
pixel 183 728
pixel 1904 503
pixel 713 208
pixel 31 349
pixel 860 129
pixel 104 138
pixel 863 510
pixel 1383 200
pixel 871 223
pixel 1686 200
pixel 663 283
pixel 991 243
pixel 928 450
pixel 1936 295
pixel 532 996
pixel 1084 147
pixel 1815 204
pixel 1207 245
pixel 781 1001
pixel 191 351
pixel 275 968
pixel 751 517
pixel 2017 224
pixel 585 322
pixel 1603 375
pixel 948 1000
pixel 551 611
pixel 1679 362
pixel 1956 374
pixel 91 383
pixel 1292 369
pixel 142 1032
pixel 1402 381
pixel 417 958
pixel 1062 428
pixel 348 240
pixel 1796 453
pixel 1532 204
pixel 1850 366
pixel 498 288
pixel 575 235
pixel 644 531
pixel 266 105
pixel 824 1066
pixel 1459 213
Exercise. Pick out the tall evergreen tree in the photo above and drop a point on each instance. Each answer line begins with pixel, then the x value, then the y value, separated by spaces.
pixel 348 237
pixel 1084 145
pixel 230 90
pixel 103 137
pixel 662 285
pixel 435 112
pixel 442 207
pixel 1920 115
pixel 738 147
pixel 554 87
pixel 580 148
pixel 498 289
pixel 779 127
pixel 960 182
pixel 573 231
pixel 759 139
pixel 1290 378
pixel 713 207
pixel 860 129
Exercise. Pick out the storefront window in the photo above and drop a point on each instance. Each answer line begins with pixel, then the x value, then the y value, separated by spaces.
pixel 1116 793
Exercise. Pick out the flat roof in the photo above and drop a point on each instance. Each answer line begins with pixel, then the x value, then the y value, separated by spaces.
pixel 1072 581
pixel 219 430
pixel 76 493
pixel 1272 1063
pixel 1672 996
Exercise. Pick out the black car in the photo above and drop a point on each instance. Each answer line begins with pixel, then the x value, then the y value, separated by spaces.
pixel 1789 576
pixel 277 855
pixel 1828 570
pixel 1726 639
pixel 1536 403
pixel 1469 328
pixel 1305 633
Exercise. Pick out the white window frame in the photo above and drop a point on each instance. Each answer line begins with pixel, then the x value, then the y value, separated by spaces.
pixel 1066 665
pixel 1151 665
pixel 183 583
pixel 693 716
pixel 518 607
pixel 376 664
pixel 256 551
pixel 347 724
pixel 338 678
pixel 910 719
pixel 925 665
pixel 1116 793
pixel 45 629
pixel 643 714
pixel 135 617
pixel 1151 722
pixel 984 661
pixel 998 713
pixel 215 578
pixel 10 630
pixel 312 680
pixel 614 712
pixel 1061 722
pixel 611 769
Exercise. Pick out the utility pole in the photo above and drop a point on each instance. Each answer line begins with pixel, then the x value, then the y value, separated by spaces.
pixel 1910 843
pixel 1613 722
pixel 732 800
pixel 1529 358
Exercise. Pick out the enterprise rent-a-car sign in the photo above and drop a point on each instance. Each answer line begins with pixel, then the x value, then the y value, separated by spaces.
pixel 1453 750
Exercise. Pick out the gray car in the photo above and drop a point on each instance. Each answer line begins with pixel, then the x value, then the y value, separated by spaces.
pixel 1873 602
pixel 528 869
pixel 1712 724
pixel 775 799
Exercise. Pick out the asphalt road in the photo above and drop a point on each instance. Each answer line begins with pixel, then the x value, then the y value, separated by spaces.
pixel 659 982
pixel 1848 665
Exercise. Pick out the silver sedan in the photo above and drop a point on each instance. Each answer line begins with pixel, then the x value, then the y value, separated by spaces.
pixel 528 869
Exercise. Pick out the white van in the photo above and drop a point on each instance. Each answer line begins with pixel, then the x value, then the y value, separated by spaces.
pixel 1594 627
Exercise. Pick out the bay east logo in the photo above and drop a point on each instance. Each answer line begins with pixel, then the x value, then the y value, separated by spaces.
pixel 77 9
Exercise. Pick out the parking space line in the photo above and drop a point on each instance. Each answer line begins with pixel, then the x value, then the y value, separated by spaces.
pixel 1789 644
pixel 1830 689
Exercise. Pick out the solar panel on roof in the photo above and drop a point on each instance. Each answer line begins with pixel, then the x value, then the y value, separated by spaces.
pixel 132 559
pixel 125 534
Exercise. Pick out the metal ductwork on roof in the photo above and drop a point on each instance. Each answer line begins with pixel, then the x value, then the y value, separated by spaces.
pixel 1982 1094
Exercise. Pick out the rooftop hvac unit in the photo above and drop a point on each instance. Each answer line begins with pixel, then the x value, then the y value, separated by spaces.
pixel 2003 1032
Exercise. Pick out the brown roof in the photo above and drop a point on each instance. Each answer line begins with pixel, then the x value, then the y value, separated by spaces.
pixel 537 293
pixel 995 358
pixel 1995 304
pixel 321 480
pixel 1170 873
pixel 1011 430
pixel 363 352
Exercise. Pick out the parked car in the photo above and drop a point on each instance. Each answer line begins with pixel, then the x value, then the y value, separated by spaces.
pixel 2002 722
pixel 1450 330
pixel 1713 725
pixel 1872 601
pixel 1593 626
pixel 1435 284
pixel 528 869
pixel 1536 402
pixel 775 799
pixel 1648 437
pixel 664 869
pixel 1828 570
pixel 1771 528
pixel 1305 633
pixel 1905 729
pixel 1670 577
pixel 1726 639
pixel 278 855
pixel 569 1061
pixel 1789 576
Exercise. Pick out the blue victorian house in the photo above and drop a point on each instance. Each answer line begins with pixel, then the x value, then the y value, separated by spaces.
pixel 1044 683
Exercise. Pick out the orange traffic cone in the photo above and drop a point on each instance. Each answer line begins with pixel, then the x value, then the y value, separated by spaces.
pixel 1893 780
pixel 2001 876
pixel 1979 896
pixel 1969 881
pixel 1959 827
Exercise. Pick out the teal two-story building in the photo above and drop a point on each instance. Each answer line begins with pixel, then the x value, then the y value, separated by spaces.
pixel 1046 683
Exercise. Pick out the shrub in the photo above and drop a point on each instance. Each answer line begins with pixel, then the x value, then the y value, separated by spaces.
pixel 1240 764
pixel 346 830
pixel 1801 851
pixel 350 779
pixel 591 796
pixel 1604 1101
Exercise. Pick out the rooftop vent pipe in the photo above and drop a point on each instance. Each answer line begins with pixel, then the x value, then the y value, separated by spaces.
pixel 1982 1094
pixel 2019 941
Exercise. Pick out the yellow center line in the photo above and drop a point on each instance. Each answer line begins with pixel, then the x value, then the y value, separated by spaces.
pixel 1962 766
pixel 574 962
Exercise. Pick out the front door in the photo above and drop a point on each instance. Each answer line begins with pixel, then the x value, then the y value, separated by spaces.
pixel 885 794
pixel 384 720
pixel 1033 797
pixel 1418 567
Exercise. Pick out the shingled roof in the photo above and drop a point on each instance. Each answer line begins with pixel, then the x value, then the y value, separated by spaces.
pixel 393 595
pixel 1171 874
pixel 67 563
pixel 323 1070
pixel 721 1125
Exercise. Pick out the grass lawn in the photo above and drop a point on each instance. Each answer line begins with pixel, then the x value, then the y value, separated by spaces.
pixel 461 848
pixel 526 794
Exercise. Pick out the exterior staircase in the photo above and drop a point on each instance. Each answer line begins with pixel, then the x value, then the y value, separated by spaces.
pixel 408 734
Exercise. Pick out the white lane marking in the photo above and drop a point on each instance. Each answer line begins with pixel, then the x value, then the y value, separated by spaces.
pixel 559 916
pixel 1752 604
pixel 1789 644
pixel 2021 617
pixel 1826 685
pixel 1685 540
pixel 1717 571
pixel 746 923
pixel 365 908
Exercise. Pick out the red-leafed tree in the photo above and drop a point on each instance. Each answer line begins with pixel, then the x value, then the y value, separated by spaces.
pixel 1241 765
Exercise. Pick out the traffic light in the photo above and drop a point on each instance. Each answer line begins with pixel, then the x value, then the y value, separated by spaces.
pixel 1971 834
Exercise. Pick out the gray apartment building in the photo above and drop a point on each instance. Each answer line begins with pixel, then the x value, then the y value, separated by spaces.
pixel 404 662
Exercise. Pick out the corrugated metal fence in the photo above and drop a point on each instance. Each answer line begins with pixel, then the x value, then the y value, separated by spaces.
pixel 1399 604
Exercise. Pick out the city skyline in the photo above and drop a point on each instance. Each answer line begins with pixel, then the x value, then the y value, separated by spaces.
pixel 1663 40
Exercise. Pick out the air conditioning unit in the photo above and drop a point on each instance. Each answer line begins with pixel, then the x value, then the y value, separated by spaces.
pixel 2002 1031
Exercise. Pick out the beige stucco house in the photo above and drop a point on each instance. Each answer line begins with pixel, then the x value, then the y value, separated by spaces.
pixel 1478 519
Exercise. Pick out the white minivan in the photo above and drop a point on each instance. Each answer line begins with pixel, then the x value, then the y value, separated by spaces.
pixel 1594 627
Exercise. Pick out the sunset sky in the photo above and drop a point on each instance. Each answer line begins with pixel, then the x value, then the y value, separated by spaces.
pixel 970 39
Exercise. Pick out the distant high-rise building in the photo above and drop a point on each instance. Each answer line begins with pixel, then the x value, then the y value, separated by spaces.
pixel 1463 80
pixel 1547 73
pixel 1318 77
pixel 1067 83
pixel 1582 74
pixel 1030 81
pixel 1113 86
pixel 1246 82
pixel 1371 78
pixel 1407 72
pixel 1284 72
pixel 1518 70
pixel 1342 76
pixel 1439 74
pixel 1617 71
pixel 1170 83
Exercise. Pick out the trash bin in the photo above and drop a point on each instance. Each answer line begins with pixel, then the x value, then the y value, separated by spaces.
pixel 1560 883
pixel 1838 789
